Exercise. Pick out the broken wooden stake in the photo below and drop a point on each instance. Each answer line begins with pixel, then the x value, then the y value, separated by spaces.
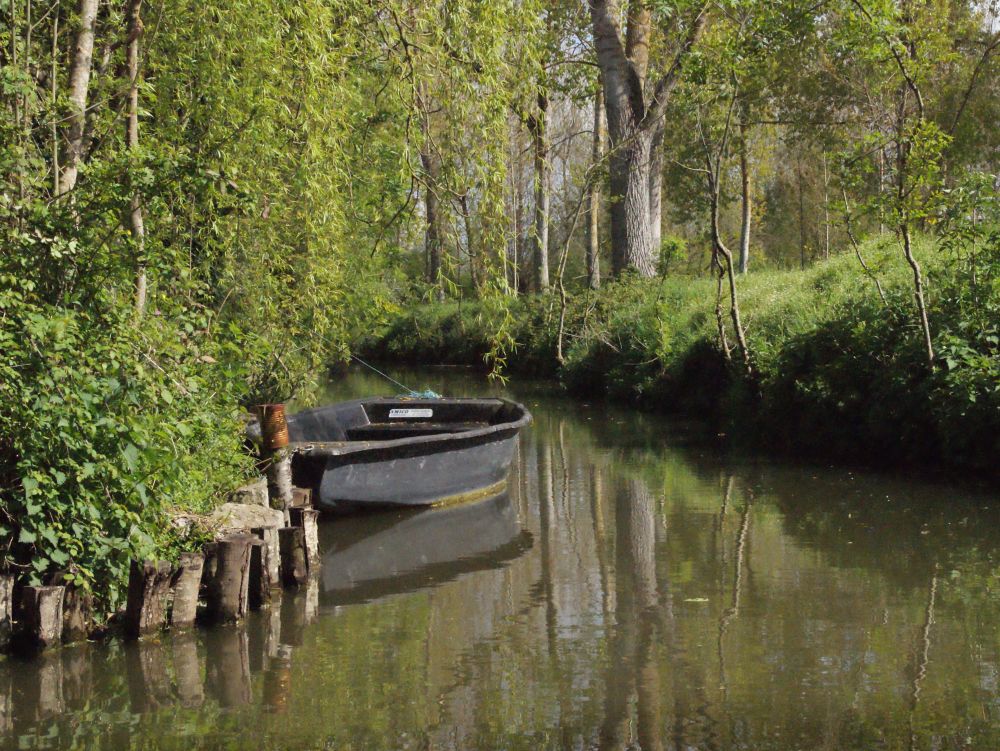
pixel 279 478
pixel 272 556
pixel 146 608
pixel 294 556
pixel 308 519
pixel 43 615
pixel 186 582
pixel 301 498
pixel 260 582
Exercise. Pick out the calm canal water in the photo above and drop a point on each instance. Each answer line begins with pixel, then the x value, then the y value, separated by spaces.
pixel 632 590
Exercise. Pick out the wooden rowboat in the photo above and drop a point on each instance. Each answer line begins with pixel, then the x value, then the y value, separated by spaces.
pixel 405 451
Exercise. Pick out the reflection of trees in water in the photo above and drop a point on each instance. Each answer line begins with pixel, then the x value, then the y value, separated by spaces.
pixel 922 653
pixel 633 672
pixel 596 636
pixel 730 613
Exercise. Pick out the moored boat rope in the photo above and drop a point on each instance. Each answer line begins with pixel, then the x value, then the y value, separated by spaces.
pixel 425 394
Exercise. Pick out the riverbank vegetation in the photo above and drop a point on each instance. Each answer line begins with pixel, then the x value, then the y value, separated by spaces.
pixel 203 204
pixel 837 371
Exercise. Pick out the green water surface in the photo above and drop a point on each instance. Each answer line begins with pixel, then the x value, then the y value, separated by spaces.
pixel 633 589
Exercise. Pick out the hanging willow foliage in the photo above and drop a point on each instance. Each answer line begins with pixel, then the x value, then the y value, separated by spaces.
pixel 270 154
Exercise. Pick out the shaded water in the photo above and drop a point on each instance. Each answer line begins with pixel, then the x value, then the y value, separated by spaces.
pixel 631 590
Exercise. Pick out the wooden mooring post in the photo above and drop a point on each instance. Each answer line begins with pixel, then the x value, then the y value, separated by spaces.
pixel 301 498
pixel 260 580
pixel 227 578
pixel 271 555
pixel 275 454
pixel 234 574
pixel 186 581
pixel 146 607
pixel 78 614
pixel 43 615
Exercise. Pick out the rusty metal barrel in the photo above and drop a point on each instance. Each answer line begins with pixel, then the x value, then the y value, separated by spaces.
pixel 273 427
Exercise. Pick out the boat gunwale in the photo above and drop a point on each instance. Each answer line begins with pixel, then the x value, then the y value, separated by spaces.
pixel 346 448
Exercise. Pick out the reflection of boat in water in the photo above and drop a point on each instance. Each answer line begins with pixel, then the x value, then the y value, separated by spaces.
pixel 370 556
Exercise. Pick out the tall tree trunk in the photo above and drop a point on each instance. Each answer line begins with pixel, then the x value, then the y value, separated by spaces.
pixel 54 75
pixel 594 199
pixel 432 172
pixel 79 83
pixel 635 114
pixel 631 236
pixel 746 201
pixel 470 243
pixel 802 215
pixel 656 191
pixel 539 130
pixel 138 229
pixel 514 173
pixel 432 231
pixel 826 209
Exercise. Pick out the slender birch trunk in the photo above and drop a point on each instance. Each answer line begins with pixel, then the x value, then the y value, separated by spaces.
pixel 79 84
pixel 594 199
pixel 138 229
pixel 656 191
pixel 746 201
pixel 432 173
pixel 539 129
pixel 54 75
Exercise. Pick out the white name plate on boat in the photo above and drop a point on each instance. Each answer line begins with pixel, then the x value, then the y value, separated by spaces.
pixel 398 413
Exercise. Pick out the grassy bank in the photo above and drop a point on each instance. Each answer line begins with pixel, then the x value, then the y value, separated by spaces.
pixel 839 372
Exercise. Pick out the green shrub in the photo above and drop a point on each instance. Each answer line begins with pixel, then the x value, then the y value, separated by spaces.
pixel 107 427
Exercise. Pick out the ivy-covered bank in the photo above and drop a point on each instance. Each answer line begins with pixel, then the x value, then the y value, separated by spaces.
pixel 838 372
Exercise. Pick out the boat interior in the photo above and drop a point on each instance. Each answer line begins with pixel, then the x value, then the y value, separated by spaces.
pixel 389 419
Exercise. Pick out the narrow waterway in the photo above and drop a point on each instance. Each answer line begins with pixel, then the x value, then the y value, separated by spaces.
pixel 632 589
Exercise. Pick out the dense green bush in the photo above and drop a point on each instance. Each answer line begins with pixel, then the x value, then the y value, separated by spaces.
pixel 107 426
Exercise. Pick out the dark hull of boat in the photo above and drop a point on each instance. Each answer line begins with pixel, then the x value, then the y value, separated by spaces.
pixel 449 451
pixel 419 478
